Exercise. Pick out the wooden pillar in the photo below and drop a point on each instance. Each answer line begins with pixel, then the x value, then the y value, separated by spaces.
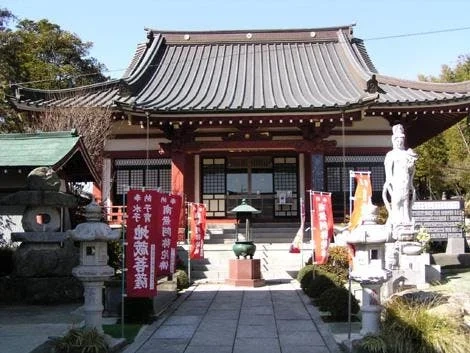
pixel 178 162
pixel 182 174
pixel 317 161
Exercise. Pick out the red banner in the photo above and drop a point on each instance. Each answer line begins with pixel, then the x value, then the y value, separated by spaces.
pixel 321 214
pixel 362 197
pixel 197 218
pixel 169 206
pixel 142 242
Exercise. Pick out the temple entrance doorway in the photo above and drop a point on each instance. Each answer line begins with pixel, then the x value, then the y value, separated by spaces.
pixel 267 183
pixel 251 179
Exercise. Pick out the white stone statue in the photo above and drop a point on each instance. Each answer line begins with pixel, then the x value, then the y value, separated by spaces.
pixel 398 192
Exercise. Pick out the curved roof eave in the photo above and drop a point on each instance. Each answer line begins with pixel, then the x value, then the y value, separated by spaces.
pixel 365 101
pixel 461 87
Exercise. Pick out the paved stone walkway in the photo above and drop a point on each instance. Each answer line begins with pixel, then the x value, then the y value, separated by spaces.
pixel 219 318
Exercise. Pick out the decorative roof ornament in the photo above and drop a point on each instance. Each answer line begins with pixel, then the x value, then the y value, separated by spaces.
pixel 124 89
pixel 150 37
pixel 373 86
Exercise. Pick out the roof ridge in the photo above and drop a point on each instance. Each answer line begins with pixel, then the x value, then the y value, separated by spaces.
pixel 41 134
pixel 252 30
pixel 463 86
pixel 93 86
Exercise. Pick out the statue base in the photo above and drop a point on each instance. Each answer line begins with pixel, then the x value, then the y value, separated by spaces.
pixel 245 273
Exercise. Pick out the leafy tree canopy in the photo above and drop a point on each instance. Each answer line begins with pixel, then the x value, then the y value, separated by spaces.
pixel 444 163
pixel 42 55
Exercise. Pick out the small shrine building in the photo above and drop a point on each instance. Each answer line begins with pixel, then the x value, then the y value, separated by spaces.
pixel 261 115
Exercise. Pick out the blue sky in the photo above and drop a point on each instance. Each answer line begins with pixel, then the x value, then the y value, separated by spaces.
pixel 116 27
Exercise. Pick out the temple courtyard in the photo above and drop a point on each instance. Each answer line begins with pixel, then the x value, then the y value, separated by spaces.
pixel 278 317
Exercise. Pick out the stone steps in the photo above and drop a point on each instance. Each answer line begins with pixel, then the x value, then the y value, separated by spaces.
pixel 261 233
pixel 276 261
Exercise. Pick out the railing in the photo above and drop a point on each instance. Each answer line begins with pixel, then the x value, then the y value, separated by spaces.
pixel 114 215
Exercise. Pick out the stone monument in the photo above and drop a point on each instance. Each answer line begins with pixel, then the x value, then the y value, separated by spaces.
pixel 405 255
pixel 43 262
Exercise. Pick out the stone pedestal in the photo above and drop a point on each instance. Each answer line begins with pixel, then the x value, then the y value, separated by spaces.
pixel 245 273
pixel 455 246
pixel 371 308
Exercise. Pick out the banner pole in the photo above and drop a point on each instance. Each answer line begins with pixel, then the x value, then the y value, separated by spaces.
pixel 123 257
pixel 302 226
pixel 188 205
pixel 310 192
pixel 351 177
pixel 349 304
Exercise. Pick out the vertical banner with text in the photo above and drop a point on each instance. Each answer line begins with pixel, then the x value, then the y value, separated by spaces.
pixel 362 197
pixel 197 230
pixel 169 206
pixel 142 243
pixel 321 214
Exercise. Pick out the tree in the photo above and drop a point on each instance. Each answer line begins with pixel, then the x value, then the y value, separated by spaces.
pixel 40 54
pixel 93 124
pixel 433 156
pixel 444 163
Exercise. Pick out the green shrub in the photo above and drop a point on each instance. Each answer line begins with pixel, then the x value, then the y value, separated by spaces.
pixel 115 255
pixel 338 262
pixel 81 340
pixel 323 281
pixel 138 310
pixel 372 344
pixel 180 264
pixel 182 280
pixel 335 300
pixel 409 327
pixel 304 276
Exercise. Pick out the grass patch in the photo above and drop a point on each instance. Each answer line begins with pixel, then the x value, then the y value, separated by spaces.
pixel 130 331
pixel 408 327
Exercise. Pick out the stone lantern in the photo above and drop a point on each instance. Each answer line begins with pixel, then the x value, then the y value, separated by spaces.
pixel 244 272
pixel 369 270
pixel 93 270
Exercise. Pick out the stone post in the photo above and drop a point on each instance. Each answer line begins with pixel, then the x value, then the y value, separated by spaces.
pixel 371 307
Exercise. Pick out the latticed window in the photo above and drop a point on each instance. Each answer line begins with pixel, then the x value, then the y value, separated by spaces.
pixel 337 170
pixel 213 186
pixel 285 186
pixel 213 176
pixel 137 173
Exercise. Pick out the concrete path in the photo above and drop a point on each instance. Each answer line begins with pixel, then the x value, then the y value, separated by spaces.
pixel 25 327
pixel 219 318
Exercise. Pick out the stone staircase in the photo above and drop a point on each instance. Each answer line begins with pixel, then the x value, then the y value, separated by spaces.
pixel 272 241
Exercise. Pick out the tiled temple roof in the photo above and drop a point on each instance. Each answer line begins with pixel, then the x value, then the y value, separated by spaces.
pixel 248 71
pixel 320 72
pixel 57 150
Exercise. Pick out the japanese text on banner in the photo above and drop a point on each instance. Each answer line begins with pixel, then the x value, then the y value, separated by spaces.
pixel 362 197
pixel 142 244
pixel 169 207
pixel 198 230
pixel 322 224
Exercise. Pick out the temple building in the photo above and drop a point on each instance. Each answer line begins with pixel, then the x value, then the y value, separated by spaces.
pixel 261 115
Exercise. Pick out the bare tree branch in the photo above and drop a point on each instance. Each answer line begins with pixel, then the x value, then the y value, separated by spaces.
pixel 92 123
